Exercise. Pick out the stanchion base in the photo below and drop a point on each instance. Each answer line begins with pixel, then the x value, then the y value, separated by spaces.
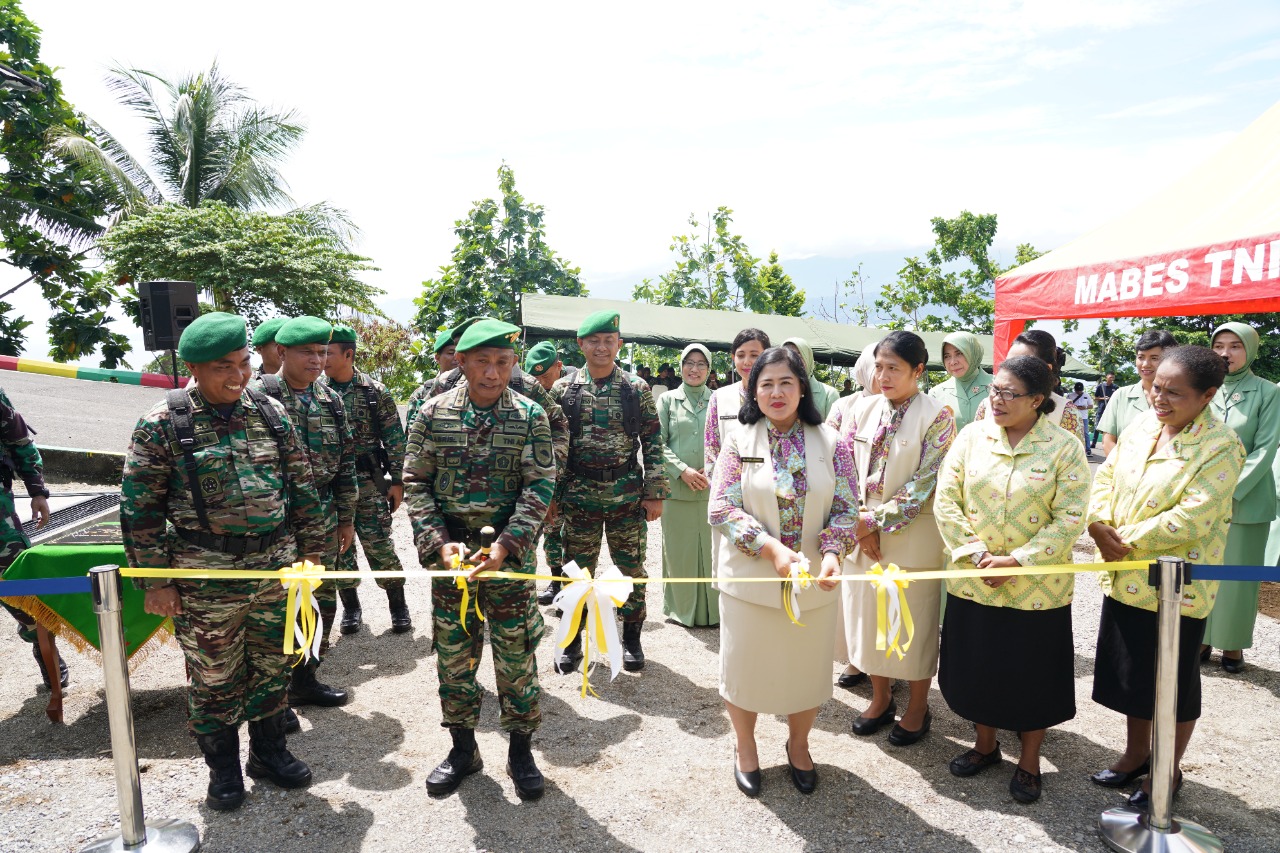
pixel 163 836
pixel 1126 830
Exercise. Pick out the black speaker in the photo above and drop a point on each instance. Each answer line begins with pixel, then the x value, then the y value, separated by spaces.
pixel 167 307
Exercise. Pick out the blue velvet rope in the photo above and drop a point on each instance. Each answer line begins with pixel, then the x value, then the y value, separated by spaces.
pixel 1235 573
pixel 44 586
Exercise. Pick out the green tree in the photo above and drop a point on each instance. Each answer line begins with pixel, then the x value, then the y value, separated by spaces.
pixel 501 254
pixel 380 353
pixel 251 262
pixel 1111 349
pixel 784 298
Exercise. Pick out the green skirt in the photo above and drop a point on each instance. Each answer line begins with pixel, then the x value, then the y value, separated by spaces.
pixel 686 553
pixel 1230 623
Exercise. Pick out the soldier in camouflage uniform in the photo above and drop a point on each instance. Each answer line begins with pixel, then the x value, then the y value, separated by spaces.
pixel 543 363
pixel 444 354
pixel 605 489
pixel 19 456
pixel 481 455
pixel 317 413
pixel 239 495
pixel 264 344
pixel 379 439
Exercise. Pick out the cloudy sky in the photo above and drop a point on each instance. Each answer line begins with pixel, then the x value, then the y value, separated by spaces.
pixel 834 130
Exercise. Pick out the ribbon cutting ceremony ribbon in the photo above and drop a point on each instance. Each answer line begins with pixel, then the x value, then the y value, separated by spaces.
pixel 302 612
pixel 893 615
pixel 798 580
pixel 465 586
pixel 594 600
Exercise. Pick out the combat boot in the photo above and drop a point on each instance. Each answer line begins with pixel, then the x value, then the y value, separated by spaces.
pixel 548 595
pixel 304 689
pixel 463 760
pixel 632 654
pixel 63 674
pixel 292 725
pixel 352 618
pixel 400 621
pixel 270 759
pixel 522 769
pixel 222 753
pixel 570 656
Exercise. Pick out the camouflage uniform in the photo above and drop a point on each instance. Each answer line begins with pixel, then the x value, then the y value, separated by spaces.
pixel 331 450
pixel 373 515
pixel 589 507
pixel 21 459
pixel 231 632
pixel 467 468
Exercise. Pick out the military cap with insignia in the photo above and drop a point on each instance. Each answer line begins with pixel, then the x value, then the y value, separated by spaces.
pixel 541 358
pixel 343 334
pixel 211 336
pixel 265 332
pixel 304 330
pixel 601 322
pixel 489 333
pixel 451 336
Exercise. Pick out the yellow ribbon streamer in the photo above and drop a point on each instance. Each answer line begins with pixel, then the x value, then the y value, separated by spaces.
pixel 462 582
pixel 302 611
pixel 799 579
pixel 893 615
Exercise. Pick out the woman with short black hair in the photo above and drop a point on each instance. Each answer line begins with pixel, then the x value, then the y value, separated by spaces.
pixel 1126 403
pixel 722 414
pixel 782 496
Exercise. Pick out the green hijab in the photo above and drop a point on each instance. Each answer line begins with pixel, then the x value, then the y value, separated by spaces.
pixel 695 392
pixel 971 348
pixel 824 396
pixel 1249 337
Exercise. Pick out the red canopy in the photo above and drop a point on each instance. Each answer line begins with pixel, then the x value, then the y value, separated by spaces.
pixel 1208 244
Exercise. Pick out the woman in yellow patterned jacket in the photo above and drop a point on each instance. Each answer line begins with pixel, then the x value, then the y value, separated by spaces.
pixel 1165 490
pixel 1012 492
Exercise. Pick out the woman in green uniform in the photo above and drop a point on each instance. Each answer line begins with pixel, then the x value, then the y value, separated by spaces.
pixel 686 534
pixel 968 383
pixel 1250 405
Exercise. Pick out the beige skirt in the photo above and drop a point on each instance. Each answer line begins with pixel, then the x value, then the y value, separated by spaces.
pixel 770 666
pixel 859 601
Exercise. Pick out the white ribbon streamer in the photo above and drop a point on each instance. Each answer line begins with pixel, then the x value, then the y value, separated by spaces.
pixel 596 601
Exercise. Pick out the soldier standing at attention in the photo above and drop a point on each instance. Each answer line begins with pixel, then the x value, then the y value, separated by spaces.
pixel 379 438
pixel 480 456
pixel 317 413
pixel 543 363
pixel 605 489
pixel 264 344
pixel 221 464
pixel 444 352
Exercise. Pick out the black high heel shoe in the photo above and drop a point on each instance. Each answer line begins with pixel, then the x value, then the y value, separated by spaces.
pixel 1141 799
pixel 870 725
pixel 804 780
pixel 1109 778
pixel 747 782
pixel 1232 665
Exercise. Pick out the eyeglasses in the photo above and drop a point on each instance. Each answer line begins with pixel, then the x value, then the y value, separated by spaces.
pixel 697 365
pixel 1003 394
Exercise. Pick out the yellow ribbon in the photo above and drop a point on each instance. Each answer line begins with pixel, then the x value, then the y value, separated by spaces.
pixel 893 615
pixel 462 583
pixel 575 623
pixel 801 578
pixel 302 612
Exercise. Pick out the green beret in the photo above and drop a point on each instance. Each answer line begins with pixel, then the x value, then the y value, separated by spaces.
pixel 489 333
pixel 541 358
pixel 211 336
pixel 449 337
pixel 599 322
pixel 304 330
pixel 266 331
pixel 343 334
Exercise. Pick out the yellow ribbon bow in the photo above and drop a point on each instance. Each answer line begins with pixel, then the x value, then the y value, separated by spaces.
pixel 798 580
pixel 461 582
pixel 596 599
pixel 302 611
pixel 893 615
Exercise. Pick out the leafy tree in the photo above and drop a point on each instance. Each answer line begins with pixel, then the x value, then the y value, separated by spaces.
pixel 1111 349
pixel 849 302
pixel 714 270
pixel 1197 330
pixel 250 262
pixel 380 353
pixel 501 253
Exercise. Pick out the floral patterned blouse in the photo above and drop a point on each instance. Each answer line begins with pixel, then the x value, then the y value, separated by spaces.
pixel 1175 501
pixel 903 506
pixel 711 435
pixel 787 451
pixel 1027 502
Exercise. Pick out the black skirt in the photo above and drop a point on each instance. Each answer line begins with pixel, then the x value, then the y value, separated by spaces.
pixel 1008 668
pixel 1124 671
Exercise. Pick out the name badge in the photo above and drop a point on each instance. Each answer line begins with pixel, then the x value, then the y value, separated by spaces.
pixel 759 460
pixel 728 417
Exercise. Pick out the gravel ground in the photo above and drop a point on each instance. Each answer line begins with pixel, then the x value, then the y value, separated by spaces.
pixel 645 767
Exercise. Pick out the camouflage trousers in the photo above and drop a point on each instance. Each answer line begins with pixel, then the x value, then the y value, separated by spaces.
pixel 553 546
pixel 232 634
pixel 327 594
pixel 625 527
pixel 373 529
pixel 12 543
pixel 514 624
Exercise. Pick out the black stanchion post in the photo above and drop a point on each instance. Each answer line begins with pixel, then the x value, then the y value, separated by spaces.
pixel 163 836
pixel 1132 831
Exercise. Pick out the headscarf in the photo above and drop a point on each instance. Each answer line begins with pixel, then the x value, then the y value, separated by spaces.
pixel 824 396
pixel 1249 337
pixel 864 370
pixel 971 348
pixel 696 392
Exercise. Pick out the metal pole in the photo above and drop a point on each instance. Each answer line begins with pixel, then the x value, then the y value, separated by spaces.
pixel 134 834
pixel 1127 829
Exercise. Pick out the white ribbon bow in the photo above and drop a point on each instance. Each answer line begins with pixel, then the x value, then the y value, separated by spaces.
pixel 800 580
pixel 594 600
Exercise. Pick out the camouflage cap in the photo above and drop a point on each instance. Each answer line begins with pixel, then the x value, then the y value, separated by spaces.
pixel 343 334
pixel 449 337
pixel 265 333
pixel 304 330
pixel 541 358
pixel 599 322
pixel 489 333
pixel 211 336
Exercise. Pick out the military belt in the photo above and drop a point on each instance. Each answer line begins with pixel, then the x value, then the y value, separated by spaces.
pixel 238 546
pixel 603 475
pixel 459 532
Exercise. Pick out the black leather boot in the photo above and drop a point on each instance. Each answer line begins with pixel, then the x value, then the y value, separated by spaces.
pixel 570 656
pixel 269 758
pixel 222 753
pixel 522 769
pixel 400 621
pixel 463 760
pixel 548 595
pixel 304 689
pixel 63 675
pixel 292 724
pixel 632 654
pixel 352 618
